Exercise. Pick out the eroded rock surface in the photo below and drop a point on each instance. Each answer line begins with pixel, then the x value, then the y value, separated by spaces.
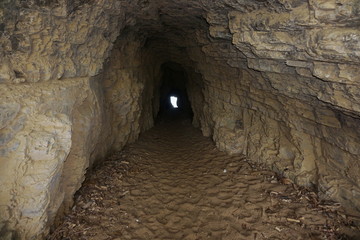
pixel 277 81
pixel 36 141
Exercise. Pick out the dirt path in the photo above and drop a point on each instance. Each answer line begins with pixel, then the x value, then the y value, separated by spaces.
pixel 174 184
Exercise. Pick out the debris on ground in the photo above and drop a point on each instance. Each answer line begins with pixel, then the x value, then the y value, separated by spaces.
pixel 170 184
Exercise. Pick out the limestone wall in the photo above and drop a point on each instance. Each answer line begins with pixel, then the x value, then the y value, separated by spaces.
pixel 42 138
pixel 129 82
pixel 298 111
pixel 49 40
pixel 52 132
pixel 59 112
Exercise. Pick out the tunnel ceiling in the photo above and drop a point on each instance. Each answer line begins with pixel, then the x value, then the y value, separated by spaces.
pixel 47 39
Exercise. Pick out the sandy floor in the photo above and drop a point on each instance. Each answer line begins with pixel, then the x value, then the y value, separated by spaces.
pixel 174 184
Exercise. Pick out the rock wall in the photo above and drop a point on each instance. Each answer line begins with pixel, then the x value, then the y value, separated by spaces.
pixel 129 81
pixel 49 40
pixel 41 139
pixel 291 100
pixel 59 112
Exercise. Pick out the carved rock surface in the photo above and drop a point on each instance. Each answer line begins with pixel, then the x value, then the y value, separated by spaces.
pixel 277 81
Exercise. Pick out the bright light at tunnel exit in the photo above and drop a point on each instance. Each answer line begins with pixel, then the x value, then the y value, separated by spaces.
pixel 173 101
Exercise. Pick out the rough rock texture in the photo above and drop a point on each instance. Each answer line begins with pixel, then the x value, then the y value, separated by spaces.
pixel 129 83
pixel 45 149
pixel 42 43
pixel 299 110
pixel 277 81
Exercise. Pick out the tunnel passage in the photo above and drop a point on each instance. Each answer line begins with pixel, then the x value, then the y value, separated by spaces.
pixel 276 81
pixel 172 183
pixel 173 84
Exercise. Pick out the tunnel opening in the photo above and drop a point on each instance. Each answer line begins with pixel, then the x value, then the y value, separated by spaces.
pixel 174 88
pixel 173 101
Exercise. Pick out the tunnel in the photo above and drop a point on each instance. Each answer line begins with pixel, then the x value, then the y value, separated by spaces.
pixel 273 81
pixel 173 85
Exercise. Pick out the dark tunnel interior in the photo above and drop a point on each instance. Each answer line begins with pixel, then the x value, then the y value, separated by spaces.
pixel 173 84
